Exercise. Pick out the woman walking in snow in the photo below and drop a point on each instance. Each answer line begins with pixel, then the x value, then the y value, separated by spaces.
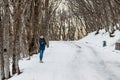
pixel 42 44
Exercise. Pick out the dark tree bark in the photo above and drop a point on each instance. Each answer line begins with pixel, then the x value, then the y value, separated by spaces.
pixel 6 39
pixel 1 50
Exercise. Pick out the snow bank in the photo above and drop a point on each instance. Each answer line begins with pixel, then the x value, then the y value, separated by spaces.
pixel 97 40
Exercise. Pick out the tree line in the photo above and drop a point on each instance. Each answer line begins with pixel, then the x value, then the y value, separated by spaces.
pixel 22 21
pixel 97 14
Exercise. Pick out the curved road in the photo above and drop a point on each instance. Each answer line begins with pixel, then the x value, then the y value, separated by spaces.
pixel 71 61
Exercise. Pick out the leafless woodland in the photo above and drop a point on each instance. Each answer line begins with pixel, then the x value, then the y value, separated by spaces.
pixel 22 21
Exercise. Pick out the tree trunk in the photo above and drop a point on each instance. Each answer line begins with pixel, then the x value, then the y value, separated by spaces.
pixel 1 51
pixel 6 39
pixel 16 51
pixel 117 45
pixel 17 29
pixel 45 22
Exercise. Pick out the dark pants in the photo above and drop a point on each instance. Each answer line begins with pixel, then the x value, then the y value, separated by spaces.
pixel 41 54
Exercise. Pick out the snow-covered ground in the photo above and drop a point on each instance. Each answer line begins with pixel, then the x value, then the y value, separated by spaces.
pixel 85 59
pixel 97 40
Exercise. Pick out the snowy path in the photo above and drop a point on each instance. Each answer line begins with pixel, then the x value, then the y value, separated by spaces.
pixel 71 61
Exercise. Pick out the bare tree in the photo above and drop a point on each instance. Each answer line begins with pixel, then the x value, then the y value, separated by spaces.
pixel 6 39
pixel 17 28
pixel 1 51
pixel 97 14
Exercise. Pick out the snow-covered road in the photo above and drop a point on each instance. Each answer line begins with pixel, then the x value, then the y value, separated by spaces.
pixel 71 61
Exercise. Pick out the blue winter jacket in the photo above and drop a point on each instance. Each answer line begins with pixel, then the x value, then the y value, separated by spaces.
pixel 42 43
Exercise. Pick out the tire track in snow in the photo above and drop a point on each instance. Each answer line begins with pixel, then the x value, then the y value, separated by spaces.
pixel 102 65
pixel 99 66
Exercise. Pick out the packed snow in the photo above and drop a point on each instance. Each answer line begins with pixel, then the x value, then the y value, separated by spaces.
pixel 85 59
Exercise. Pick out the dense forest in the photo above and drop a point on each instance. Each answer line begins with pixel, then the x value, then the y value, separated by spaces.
pixel 22 21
